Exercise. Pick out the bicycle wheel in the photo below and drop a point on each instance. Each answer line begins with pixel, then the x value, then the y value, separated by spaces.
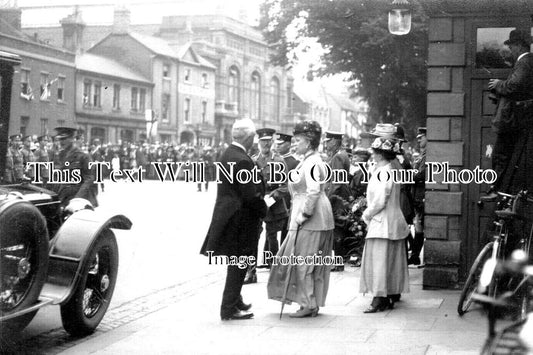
pixel 465 300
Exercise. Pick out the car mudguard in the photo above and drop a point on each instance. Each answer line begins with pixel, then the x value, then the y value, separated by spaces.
pixel 70 246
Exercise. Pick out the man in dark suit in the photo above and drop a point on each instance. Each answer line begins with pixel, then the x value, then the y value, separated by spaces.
pixel 513 150
pixel 236 220
pixel 283 146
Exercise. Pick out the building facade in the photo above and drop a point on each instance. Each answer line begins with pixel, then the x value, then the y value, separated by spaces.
pixel 111 100
pixel 43 89
pixel 170 70
pixel 247 85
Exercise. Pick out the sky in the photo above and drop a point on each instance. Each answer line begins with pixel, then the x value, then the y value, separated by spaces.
pixel 49 12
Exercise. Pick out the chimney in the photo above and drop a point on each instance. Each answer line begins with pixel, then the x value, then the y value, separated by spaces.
pixel 121 20
pixel 189 34
pixel 12 16
pixel 73 27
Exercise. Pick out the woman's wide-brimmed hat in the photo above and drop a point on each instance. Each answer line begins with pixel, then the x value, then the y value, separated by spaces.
pixel 386 130
pixel 391 145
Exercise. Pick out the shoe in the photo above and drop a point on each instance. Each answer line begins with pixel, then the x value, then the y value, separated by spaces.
pixel 338 268
pixel 414 260
pixel 241 306
pixel 305 312
pixel 250 279
pixel 379 304
pixel 239 314
pixel 394 298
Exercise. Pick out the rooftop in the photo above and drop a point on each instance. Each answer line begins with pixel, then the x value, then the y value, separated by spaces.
pixel 101 65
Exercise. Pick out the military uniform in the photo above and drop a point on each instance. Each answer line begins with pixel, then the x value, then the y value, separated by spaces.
pixel 27 157
pixel 18 164
pixel 290 164
pixel 338 193
pixel 277 214
pixel 71 158
pixel 42 155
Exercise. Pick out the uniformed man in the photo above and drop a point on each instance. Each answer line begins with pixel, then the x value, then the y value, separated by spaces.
pixel 16 156
pixel 283 146
pixel 337 192
pixel 27 156
pixel 42 155
pixel 277 212
pixel 71 157
pixel 419 190
pixel 9 172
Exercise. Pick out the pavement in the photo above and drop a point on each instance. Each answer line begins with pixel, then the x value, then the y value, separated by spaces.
pixel 184 319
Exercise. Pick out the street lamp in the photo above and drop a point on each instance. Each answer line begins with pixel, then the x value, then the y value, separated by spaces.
pixel 400 17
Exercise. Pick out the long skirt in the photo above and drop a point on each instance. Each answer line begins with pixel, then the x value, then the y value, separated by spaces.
pixel 305 284
pixel 384 268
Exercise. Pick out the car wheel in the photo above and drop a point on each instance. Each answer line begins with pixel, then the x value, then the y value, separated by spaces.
pixel 88 304
pixel 23 260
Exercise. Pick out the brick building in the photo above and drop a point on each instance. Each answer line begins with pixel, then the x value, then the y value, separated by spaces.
pixel 43 91
pixel 465 50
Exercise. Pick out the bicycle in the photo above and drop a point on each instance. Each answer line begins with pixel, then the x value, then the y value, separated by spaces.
pixel 508 210
pixel 510 339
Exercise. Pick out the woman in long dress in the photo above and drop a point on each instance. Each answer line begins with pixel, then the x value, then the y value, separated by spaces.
pixel 310 230
pixel 384 271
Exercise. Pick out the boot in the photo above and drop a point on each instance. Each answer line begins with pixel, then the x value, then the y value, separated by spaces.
pixel 417 247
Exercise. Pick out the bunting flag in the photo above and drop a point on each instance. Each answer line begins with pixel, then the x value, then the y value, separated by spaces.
pixel 29 95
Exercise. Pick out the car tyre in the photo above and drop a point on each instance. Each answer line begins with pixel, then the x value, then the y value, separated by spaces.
pixel 83 312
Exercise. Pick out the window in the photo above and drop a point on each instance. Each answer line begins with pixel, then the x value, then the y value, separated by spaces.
pixel 134 93
pixel 204 111
pixel 142 100
pixel 60 123
pixel 45 87
pixel 234 86
pixel 255 97
pixel 275 99
pixel 166 71
pixel 60 89
pixel 187 77
pixel 24 120
pixel 25 88
pixel 44 126
pixel 165 107
pixel 87 85
pixel 205 82
pixel 187 110
pixel 491 53
pixel 97 94
pixel 116 97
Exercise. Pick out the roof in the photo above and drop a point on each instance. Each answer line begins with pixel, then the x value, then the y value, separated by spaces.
pixel 101 65
pixel 155 44
pixel 199 59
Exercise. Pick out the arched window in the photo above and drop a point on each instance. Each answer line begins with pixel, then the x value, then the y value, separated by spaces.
pixel 255 97
pixel 275 98
pixel 234 88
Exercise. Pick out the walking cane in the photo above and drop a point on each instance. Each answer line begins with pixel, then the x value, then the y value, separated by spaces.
pixel 289 275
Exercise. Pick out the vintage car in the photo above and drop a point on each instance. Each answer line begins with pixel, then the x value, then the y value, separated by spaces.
pixel 53 257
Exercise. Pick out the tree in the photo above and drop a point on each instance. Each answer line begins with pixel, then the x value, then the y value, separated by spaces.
pixel 390 71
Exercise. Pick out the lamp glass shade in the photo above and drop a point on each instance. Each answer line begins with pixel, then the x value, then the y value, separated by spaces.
pixel 399 21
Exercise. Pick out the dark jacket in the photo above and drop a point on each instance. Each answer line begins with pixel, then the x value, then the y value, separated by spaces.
pixel 238 211
pixel 78 160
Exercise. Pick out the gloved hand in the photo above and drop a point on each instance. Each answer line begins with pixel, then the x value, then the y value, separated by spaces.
pixel 300 219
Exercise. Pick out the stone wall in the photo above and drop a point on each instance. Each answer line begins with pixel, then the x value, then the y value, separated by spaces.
pixel 445 121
